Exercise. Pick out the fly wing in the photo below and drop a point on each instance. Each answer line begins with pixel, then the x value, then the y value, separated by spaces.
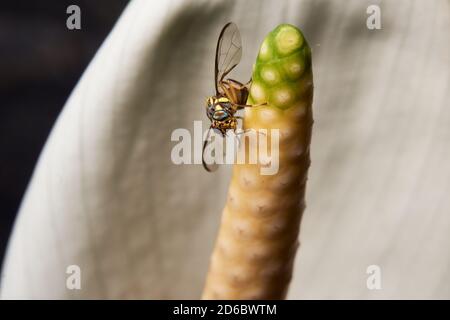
pixel 228 52
pixel 213 166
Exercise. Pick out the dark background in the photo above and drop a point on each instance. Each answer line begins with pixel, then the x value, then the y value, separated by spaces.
pixel 40 63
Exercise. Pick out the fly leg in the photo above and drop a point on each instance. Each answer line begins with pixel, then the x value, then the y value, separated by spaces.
pixel 242 106
pixel 248 84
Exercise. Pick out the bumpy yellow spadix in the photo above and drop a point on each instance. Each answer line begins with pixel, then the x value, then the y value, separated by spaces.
pixel 255 249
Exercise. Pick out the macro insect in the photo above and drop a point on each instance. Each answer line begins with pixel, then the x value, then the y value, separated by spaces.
pixel 231 95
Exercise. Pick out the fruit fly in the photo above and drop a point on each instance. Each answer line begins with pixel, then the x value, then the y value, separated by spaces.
pixel 231 95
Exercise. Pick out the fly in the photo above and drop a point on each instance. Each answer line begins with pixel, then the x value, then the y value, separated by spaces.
pixel 231 95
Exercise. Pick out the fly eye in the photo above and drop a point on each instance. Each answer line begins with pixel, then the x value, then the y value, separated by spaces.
pixel 220 115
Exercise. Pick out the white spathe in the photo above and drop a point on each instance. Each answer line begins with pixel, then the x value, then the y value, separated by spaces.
pixel 105 196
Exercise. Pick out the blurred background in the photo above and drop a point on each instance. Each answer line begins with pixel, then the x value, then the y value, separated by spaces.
pixel 40 63
pixel 106 197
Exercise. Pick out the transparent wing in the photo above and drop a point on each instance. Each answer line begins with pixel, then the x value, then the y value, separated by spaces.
pixel 228 52
pixel 208 167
